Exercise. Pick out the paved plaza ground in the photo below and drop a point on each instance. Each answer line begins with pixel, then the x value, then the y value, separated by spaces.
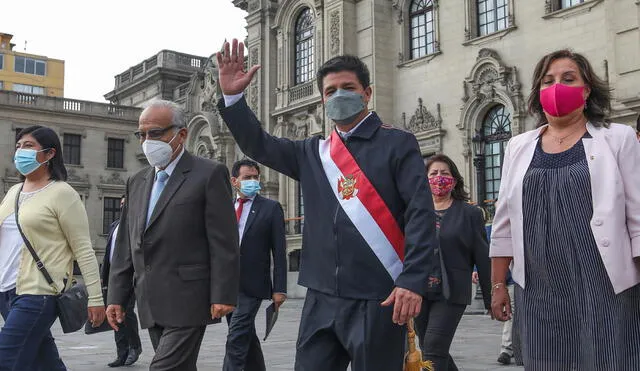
pixel 475 347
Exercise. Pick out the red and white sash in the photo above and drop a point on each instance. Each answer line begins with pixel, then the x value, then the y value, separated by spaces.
pixel 362 204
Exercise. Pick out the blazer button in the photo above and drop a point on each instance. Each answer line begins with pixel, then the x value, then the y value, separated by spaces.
pixel 147 268
pixel 597 222
pixel 605 242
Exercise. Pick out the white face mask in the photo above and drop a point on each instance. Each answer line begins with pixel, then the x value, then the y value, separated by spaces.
pixel 158 153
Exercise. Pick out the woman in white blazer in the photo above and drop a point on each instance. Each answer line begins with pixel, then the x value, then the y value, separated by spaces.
pixel 568 222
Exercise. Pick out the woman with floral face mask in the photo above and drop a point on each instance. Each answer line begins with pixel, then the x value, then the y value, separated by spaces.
pixel 463 244
pixel 568 221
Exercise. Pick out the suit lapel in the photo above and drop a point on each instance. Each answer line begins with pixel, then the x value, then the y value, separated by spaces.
pixel 147 187
pixel 253 213
pixel 173 184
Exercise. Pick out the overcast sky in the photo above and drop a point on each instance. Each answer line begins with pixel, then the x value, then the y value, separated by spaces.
pixel 100 39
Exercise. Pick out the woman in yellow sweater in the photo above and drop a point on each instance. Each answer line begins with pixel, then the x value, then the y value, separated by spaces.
pixel 54 220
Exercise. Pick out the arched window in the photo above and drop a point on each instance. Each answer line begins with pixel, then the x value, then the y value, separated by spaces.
pixel 493 15
pixel 304 47
pixel 496 131
pixel 422 31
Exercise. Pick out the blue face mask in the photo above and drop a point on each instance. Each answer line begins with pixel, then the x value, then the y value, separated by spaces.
pixel 25 160
pixel 344 106
pixel 250 188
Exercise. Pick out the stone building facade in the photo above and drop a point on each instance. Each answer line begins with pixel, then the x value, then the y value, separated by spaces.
pixel 455 73
pixel 99 149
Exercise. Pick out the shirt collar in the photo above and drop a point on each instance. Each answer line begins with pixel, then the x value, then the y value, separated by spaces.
pixel 249 199
pixel 172 165
pixel 353 129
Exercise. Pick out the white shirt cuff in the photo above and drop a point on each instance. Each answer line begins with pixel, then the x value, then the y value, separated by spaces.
pixel 230 100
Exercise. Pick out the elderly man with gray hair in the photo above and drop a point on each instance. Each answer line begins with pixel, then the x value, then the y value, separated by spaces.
pixel 178 242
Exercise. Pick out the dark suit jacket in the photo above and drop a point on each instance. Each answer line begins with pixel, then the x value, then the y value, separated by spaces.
pixel 187 258
pixel 463 242
pixel 263 236
pixel 336 259
pixel 106 263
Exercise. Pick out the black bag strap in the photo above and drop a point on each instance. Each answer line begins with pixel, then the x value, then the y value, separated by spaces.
pixel 35 256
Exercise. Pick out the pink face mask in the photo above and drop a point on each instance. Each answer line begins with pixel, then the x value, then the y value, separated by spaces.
pixel 560 100
pixel 441 185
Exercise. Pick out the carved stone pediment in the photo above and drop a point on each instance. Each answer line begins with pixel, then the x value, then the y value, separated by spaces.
pixel 491 82
pixel 423 120
pixel 427 128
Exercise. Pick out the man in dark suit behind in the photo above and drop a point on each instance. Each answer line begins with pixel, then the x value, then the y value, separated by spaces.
pixel 261 231
pixel 128 346
pixel 178 243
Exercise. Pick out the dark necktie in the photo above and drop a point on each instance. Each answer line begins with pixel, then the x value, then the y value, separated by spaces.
pixel 241 202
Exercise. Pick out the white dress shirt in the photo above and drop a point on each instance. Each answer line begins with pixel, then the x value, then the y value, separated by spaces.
pixel 10 250
pixel 246 209
pixel 113 242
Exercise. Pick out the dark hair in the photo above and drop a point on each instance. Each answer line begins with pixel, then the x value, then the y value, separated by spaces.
pixel 598 103
pixel 638 124
pixel 235 170
pixel 48 139
pixel 458 192
pixel 344 63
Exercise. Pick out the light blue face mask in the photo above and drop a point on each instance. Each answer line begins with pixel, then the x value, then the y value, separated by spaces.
pixel 250 187
pixel 25 160
pixel 344 106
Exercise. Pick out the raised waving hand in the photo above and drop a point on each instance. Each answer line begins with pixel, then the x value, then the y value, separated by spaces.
pixel 232 77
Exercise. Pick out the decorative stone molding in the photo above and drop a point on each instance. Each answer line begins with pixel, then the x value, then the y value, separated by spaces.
pixel 254 87
pixel 253 5
pixel 113 185
pixel 423 120
pixel 426 127
pixel 398 6
pixel 490 82
pixel 209 86
pixel 334 32
pixel 114 178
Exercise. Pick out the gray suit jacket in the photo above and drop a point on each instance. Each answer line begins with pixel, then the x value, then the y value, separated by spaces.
pixel 187 258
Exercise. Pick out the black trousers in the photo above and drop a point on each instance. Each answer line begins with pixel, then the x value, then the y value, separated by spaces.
pixel 128 336
pixel 335 332
pixel 243 350
pixel 176 348
pixel 435 327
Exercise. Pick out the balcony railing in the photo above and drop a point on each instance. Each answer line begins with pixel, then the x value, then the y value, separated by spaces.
pixel 302 91
pixel 164 59
pixel 43 102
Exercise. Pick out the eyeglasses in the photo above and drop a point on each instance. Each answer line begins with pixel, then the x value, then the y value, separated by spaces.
pixel 153 133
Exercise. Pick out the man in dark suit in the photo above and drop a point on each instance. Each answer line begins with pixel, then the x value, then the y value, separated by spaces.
pixel 369 237
pixel 178 243
pixel 261 231
pixel 128 346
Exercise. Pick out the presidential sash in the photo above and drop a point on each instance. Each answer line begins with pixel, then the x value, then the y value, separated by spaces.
pixel 362 204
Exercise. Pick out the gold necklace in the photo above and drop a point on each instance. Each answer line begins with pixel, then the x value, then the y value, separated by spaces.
pixel 561 140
